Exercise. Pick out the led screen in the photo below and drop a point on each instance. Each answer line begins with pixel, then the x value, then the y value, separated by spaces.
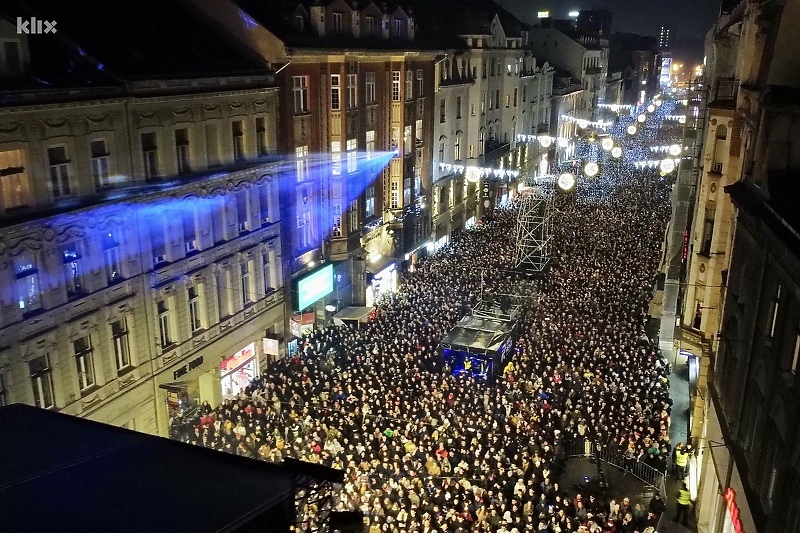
pixel 314 286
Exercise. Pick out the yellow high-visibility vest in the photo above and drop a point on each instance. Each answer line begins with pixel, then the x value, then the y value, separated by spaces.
pixel 684 498
pixel 681 458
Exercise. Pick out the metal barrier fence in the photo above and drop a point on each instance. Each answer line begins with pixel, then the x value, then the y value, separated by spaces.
pixel 638 469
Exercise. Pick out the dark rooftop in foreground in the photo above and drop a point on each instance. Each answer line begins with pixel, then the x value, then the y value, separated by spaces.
pixel 63 473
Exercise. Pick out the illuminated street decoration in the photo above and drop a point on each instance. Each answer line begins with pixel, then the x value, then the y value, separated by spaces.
pixel 616 152
pixel 566 182
pixel 545 141
pixel 676 118
pixel 616 107
pixel 591 169
pixel 641 118
pixel 651 108
pixel 474 173
pixel 654 163
pixel 675 149
pixel 632 130
pixel 583 123
pixel 607 144
pixel 667 165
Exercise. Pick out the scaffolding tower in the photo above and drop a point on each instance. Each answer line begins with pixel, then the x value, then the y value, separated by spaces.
pixel 533 228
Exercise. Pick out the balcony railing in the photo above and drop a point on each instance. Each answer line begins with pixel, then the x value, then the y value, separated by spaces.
pixel 724 93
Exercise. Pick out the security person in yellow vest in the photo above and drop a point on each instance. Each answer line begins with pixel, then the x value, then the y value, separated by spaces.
pixel 683 504
pixel 681 462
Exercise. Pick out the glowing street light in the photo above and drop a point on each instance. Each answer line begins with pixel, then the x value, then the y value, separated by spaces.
pixel 631 130
pixel 675 149
pixel 574 14
pixel 566 182
pixel 658 103
pixel 607 144
pixel 545 141
pixel 667 166
pixel 591 169
pixel 616 152
pixel 651 108
pixel 641 118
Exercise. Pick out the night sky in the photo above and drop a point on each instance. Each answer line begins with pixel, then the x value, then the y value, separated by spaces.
pixel 690 19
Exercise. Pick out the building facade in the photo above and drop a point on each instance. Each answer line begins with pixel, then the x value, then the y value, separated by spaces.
pixel 747 465
pixel 140 256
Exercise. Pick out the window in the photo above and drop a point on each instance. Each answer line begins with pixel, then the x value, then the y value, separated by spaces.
pixel 182 150
pixel 395 198
pixel 442 111
pixel 99 153
pixel 164 333
pixel 237 132
pixel 263 201
pixel 409 85
pixel 369 209
pixel 119 338
pixel 370 143
pixel 352 216
pixel 14 185
pixel 337 220
pixel 242 211
pixel 28 295
pixel 269 286
pixel 224 302
pixel 508 100
pixel 395 138
pixel 336 20
pixel 304 230
pixel 11 58
pixel 351 156
pixel 407 140
pixel 515 97
pixel 395 86
pixel 441 152
pixel 149 155
pixel 336 93
pixel 524 93
pixel 471 151
pixel 71 257
pixel 708 232
pixel 212 145
pixel 189 230
pixel 195 309
pixel 301 162
pixel 481 142
pixel 158 242
pixel 457 151
pixel 483 104
pixel 352 90
pixel 261 136
pixel 458 107
pixel 300 94
pixel 59 170
pixel 369 24
pixel 420 83
pixel 111 257
pixel 41 382
pixel 398 28
pixel 336 158
pixel 497 99
pixel 370 87
pixel 82 348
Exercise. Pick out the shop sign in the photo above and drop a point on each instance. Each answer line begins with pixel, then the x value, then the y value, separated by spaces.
pixel 733 510
pixel 185 369
pixel 271 346
pixel 245 354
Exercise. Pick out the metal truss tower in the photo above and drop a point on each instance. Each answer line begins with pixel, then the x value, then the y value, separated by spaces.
pixel 533 229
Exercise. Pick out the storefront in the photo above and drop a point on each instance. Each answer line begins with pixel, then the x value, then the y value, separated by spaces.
pixel 382 282
pixel 237 371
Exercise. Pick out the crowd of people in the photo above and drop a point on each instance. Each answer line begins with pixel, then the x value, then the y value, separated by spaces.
pixel 425 450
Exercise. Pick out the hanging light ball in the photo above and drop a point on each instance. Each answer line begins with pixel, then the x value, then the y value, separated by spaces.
pixel 566 182
pixel 583 124
pixel 607 144
pixel 667 166
pixel 631 130
pixel 545 141
pixel 675 149
pixel 591 169
pixel 616 152
pixel 658 103
pixel 641 118
pixel 563 142
pixel 651 108
pixel 682 120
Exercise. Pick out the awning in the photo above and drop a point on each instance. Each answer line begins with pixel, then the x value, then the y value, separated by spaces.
pixel 353 314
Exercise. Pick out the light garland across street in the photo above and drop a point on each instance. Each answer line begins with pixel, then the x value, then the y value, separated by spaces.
pixel 616 107
pixel 653 163
pixel 583 123
pixel 544 140
pixel 474 173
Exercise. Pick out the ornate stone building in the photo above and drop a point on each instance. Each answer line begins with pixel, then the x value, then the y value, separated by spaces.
pixel 140 251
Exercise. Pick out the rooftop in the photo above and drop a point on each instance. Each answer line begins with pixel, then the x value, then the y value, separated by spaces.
pixel 73 474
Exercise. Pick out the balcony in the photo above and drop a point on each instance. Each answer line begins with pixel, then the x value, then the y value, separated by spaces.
pixel 724 93
pixel 493 150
